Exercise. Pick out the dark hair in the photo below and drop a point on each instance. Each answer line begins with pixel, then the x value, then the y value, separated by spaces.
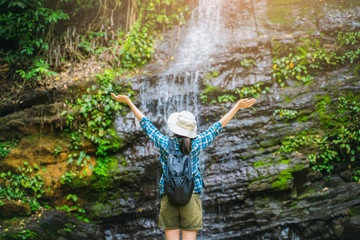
pixel 185 144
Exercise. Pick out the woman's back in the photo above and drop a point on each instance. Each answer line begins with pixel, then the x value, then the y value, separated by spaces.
pixel 188 217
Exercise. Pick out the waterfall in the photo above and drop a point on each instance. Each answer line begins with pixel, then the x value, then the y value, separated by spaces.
pixel 204 33
pixel 215 27
pixel 177 88
pixel 170 93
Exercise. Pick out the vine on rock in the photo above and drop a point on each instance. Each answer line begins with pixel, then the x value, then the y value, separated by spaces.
pixel 91 119
pixel 304 61
pixel 336 141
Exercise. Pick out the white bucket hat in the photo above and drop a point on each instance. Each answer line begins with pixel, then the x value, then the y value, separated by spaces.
pixel 183 124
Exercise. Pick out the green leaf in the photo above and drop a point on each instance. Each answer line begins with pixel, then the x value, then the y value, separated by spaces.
pixel 70 160
pixel 16 3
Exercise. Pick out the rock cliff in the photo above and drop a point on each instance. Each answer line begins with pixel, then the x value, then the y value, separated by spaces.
pixel 251 190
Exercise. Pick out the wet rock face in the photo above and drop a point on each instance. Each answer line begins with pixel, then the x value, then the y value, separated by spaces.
pixel 14 208
pixel 55 224
pixel 250 191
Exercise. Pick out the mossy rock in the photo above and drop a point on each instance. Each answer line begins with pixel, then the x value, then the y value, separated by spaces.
pixel 284 180
pixel 261 163
pixel 354 211
pixel 280 11
pixel 13 208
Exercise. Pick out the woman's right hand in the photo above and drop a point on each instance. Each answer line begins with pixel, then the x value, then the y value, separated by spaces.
pixel 121 98
pixel 245 103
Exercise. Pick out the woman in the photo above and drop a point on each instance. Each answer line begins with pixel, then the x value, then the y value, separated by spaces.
pixel 188 217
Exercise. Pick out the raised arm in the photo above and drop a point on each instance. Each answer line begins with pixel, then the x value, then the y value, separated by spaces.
pixel 125 99
pixel 242 103
pixel 155 135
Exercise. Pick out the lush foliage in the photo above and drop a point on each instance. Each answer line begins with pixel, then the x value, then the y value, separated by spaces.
pixel 286 113
pixel 304 61
pixel 5 147
pixel 24 234
pixel 25 34
pixel 29 26
pixel 86 43
pixel 137 47
pixel 252 91
pixel 76 211
pixel 214 95
pixel 337 139
pixel 24 186
pixel 91 119
pixel 248 63
pixel 138 44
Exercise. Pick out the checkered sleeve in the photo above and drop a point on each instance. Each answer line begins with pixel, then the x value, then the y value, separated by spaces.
pixel 160 141
pixel 205 138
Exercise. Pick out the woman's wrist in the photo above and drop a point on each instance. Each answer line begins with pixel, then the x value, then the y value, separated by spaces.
pixel 237 106
pixel 128 101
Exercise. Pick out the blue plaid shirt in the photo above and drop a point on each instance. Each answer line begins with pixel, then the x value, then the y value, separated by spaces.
pixel 199 143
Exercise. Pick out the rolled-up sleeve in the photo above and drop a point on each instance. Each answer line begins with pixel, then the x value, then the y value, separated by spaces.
pixel 205 138
pixel 155 135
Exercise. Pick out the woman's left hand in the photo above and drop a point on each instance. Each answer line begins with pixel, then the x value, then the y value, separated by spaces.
pixel 245 103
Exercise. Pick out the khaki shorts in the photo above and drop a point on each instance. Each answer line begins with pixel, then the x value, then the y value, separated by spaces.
pixel 186 217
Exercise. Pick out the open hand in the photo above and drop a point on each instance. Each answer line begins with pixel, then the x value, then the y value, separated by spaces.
pixel 245 103
pixel 121 98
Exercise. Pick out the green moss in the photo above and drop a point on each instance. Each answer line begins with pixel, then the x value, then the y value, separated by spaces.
pixel 288 98
pixel 279 11
pixel 279 14
pixel 78 182
pixel 309 192
pixel 302 119
pixel 99 210
pixel 265 162
pixel 211 89
pixel 262 203
pixel 293 204
pixel 283 179
pixel 304 116
pixel 299 167
pixel 113 164
pixel 287 161
pixel 322 106
pixel 102 183
pixel 259 163
pixel 347 4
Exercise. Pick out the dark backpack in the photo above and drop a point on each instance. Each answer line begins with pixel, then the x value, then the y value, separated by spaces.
pixel 179 180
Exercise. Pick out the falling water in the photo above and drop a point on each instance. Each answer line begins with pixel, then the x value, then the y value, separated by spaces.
pixel 178 87
pixel 202 35
pixel 207 34
pixel 211 31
